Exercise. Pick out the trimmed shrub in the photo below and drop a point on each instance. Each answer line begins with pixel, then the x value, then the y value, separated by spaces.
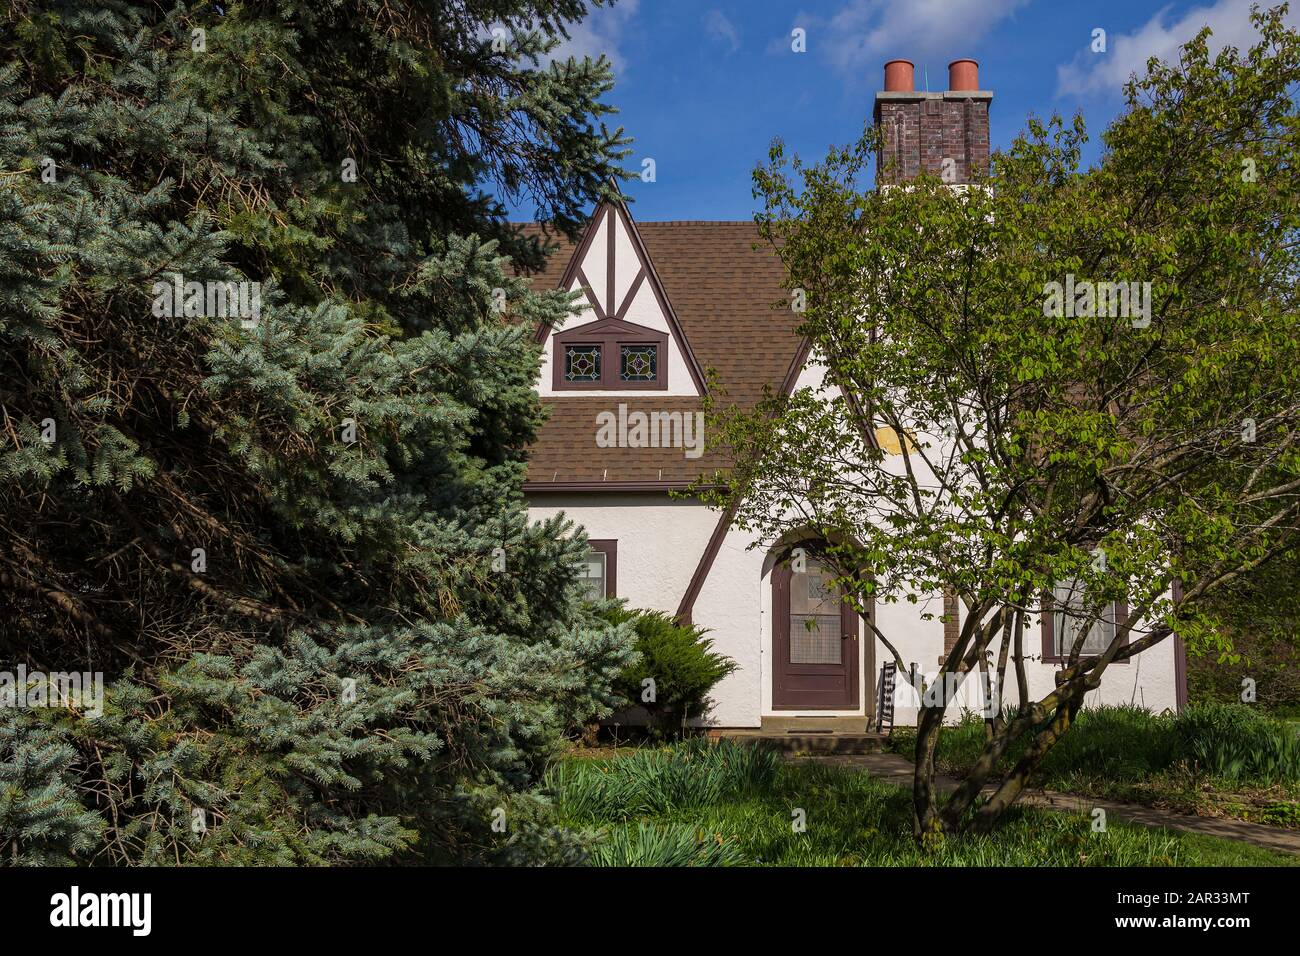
pixel 681 662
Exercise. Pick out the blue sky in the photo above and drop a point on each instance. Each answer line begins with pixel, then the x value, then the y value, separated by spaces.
pixel 704 86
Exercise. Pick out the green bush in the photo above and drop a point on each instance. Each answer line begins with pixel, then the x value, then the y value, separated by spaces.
pixel 1257 614
pixel 680 661
pixel 1269 658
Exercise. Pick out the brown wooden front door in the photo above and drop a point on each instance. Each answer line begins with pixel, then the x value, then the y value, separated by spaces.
pixel 814 640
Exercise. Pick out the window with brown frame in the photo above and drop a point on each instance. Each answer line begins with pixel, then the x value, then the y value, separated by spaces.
pixel 611 355
pixel 598 571
pixel 1066 612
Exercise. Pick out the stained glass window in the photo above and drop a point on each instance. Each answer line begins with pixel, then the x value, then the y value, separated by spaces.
pixel 582 363
pixel 639 363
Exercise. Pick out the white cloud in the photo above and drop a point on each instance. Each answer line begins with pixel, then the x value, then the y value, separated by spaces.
pixel 864 33
pixel 717 25
pixel 601 32
pixel 1127 53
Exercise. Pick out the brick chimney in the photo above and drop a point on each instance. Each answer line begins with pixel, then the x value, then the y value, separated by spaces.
pixel 922 130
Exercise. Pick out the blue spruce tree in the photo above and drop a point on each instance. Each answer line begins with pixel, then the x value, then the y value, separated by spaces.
pixel 265 390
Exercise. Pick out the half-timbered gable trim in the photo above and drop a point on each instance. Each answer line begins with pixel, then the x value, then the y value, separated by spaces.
pixel 627 339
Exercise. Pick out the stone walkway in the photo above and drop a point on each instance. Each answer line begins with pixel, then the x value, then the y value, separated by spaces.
pixel 896 769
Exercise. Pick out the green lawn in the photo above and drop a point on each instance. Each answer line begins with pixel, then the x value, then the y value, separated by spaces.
pixel 729 805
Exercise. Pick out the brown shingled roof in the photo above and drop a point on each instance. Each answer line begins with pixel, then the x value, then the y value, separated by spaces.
pixel 726 294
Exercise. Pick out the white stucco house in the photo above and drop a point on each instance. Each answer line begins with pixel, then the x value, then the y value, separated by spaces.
pixel 663 302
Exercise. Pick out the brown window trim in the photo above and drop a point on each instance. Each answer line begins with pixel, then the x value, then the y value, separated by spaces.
pixel 609 548
pixel 609 335
pixel 1049 632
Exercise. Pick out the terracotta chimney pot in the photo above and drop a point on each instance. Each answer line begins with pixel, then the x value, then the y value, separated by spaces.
pixel 900 76
pixel 963 75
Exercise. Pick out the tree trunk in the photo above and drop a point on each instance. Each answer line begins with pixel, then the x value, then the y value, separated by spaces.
pixel 926 823
pixel 987 816
pixel 964 796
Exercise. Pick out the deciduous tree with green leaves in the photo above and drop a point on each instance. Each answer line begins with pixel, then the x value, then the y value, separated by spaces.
pixel 1041 442
pixel 292 536
pixel 1260 615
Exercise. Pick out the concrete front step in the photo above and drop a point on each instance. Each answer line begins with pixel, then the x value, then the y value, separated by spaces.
pixel 837 725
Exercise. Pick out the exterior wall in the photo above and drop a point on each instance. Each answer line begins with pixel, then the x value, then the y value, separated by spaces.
pixel 1148 680
pixel 734 604
pixel 660 541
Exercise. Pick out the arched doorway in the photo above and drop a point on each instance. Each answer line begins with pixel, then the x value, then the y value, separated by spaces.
pixel 815 659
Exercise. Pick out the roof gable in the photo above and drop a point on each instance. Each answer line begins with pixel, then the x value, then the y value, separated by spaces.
pixel 725 289
pixel 618 283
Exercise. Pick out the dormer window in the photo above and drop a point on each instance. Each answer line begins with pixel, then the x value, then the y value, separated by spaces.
pixel 611 355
